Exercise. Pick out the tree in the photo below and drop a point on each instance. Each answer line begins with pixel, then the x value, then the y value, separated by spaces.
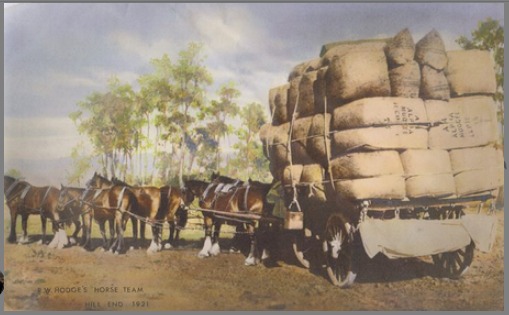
pixel 190 77
pixel 219 111
pixel 489 35
pixel 81 164
pixel 106 118
pixel 249 161
pixel 13 172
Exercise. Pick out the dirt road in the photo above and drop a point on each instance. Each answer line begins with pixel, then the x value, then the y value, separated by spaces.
pixel 38 278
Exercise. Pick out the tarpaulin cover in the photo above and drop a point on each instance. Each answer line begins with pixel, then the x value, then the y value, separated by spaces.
pixel 414 238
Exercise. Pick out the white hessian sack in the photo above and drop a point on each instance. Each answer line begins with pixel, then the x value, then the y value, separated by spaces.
pixel 378 111
pixel 476 181
pixel 378 138
pixel 462 122
pixel 383 187
pixel 471 72
pixel 431 186
pixel 425 162
pixel 366 164
pixel 471 109
pixel 476 159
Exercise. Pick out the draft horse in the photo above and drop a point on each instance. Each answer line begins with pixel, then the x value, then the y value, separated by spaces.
pixel 241 205
pixel 113 201
pixel 24 199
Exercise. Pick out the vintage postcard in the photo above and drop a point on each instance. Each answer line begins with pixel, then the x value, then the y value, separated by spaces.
pixel 253 156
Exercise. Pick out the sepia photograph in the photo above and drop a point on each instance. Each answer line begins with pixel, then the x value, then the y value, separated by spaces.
pixel 253 157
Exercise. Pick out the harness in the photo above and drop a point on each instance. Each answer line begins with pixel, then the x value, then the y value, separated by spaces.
pixel 13 185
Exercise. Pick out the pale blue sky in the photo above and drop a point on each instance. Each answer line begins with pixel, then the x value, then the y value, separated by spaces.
pixel 56 54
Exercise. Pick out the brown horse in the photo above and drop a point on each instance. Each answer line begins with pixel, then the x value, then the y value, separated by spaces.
pixel 247 200
pixel 117 202
pixel 73 203
pixel 171 204
pixel 24 199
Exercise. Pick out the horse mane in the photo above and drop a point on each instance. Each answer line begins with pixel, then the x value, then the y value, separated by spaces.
pixel 227 180
pixel 117 181
pixel 260 185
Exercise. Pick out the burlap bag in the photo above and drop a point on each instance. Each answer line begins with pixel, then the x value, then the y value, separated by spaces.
pixel 434 85
pixel 383 187
pixel 406 80
pixel 293 98
pixel 312 175
pixel 279 152
pixel 400 49
pixel 340 49
pixel 278 100
pixel 366 164
pixel 476 159
pixel 292 174
pixel 358 75
pixel 379 111
pixel 463 122
pixel 303 67
pixel 379 138
pixel 476 181
pixel 320 93
pixel 430 186
pixel 319 147
pixel 467 109
pixel 307 94
pixel 430 51
pixel 265 131
pixel 300 131
pixel 471 72
pixel 426 162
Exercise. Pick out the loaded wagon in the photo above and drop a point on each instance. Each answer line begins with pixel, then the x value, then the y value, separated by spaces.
pixel 389 144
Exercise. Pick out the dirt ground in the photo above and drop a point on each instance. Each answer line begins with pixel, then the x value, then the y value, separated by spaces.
pixel 39 278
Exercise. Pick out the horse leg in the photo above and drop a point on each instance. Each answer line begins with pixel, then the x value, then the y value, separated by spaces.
pixel 236 240
pixel 135 244
pixel 251 259
pixel 74 236
pixel 142 232
pixel 102 227
pixel 111 223
pixel 87 231
pixel 12 234
pixel 43 225
pixel 156 240
pixel 169 243
pixel 207 244
pixel 216 250
pixel 24 223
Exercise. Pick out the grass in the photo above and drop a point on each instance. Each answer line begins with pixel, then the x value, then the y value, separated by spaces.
pixel 193 230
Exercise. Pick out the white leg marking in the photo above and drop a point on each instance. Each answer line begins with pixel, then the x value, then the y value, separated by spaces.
pixel 207 245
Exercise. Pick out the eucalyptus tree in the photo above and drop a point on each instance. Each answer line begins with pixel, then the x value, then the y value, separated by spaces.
pixel 249 160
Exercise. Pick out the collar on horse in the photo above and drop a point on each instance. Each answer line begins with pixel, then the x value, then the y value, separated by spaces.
pixel 13 185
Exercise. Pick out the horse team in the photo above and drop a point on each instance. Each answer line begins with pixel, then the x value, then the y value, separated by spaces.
pixel 222 200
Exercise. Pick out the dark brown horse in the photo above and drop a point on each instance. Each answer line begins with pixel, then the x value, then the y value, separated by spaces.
pixel 117 202
pixel 241 204
pixel 24 199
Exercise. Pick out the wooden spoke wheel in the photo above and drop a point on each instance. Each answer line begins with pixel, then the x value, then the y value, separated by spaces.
pixel 338 250
pixel 454 264
pixel 301 246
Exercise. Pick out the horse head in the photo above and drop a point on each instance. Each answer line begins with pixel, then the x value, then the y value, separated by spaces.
pixel 98 181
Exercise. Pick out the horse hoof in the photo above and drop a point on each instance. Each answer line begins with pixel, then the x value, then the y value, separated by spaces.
pixel 168 246
pixel 203 255
pixel 116 253
pixel 250 261
pixel 234 250
pixel 131 248
pixel 215 250
pixel 103 250
pixel 39 242
pixel 72 241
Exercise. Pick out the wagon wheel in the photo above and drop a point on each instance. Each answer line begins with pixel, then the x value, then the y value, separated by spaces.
pixel 454 264
pixel 301 246
pixel 338 250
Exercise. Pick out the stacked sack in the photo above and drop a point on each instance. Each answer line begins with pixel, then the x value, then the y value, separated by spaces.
pixel 387 119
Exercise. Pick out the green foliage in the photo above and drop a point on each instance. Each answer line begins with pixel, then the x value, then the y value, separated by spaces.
pixel 13 172
pixel 81 164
